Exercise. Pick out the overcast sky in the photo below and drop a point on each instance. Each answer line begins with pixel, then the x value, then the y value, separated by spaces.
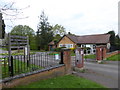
pixel 81 17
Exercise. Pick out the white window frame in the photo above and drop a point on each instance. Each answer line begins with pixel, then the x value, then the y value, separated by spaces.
pixel 71 45
pixel 66 45
pixel 60 45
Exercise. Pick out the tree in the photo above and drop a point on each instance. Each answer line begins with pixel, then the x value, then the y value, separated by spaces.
pixel 25 31
pixel 2 27
pixel 22 30
pixel 58 29
pixel 44 32
pixel 114 41
pixel 11 12
pixel 57 37
pixel 112 37
pixel 117 42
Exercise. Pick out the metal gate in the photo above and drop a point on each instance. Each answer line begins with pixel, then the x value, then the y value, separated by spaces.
pixel 15 64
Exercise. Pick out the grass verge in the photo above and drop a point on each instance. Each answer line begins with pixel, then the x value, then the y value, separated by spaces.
pixel 114 58
pixel 91 56
pixel 67 81
pixel 19 67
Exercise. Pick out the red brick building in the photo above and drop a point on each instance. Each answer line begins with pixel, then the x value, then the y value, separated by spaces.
pixel 73 41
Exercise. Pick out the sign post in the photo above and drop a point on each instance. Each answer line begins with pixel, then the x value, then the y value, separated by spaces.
pixel 26 54
pixel 56 56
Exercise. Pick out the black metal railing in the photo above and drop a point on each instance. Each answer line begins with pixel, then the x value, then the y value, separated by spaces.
pixel 23 64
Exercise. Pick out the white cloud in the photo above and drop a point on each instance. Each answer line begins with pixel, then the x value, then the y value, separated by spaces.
pixel 78 16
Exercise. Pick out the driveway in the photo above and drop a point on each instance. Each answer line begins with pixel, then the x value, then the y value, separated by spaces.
pixel 105 74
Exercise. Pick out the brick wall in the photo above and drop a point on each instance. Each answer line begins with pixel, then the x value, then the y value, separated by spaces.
pixel 32 78
pixel 54 72
pixel 112 53
pixel 101 53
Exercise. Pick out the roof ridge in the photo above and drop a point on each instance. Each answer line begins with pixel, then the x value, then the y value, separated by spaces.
pixel 87 35
pixel 95 34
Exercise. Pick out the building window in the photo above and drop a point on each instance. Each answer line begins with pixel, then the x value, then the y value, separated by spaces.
pixel 71 45
pixel 60 45
pixel 66 45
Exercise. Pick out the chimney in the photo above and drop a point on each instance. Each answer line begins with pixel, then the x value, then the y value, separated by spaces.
pixel 69 33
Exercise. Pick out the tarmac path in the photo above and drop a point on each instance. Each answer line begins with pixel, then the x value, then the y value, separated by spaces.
pixel 105 74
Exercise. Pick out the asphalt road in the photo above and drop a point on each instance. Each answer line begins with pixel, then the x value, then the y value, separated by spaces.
pixel 105 74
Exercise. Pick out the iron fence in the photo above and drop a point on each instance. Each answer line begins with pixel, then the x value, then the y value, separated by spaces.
pixel 23 64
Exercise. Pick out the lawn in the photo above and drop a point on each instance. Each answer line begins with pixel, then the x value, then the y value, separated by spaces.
pixel 67 81
pixel 20 53
pixel 72 53
pixel 18 67
pixel 114 58
pixel 91 56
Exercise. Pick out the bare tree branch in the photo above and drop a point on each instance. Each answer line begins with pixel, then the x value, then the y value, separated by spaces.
pixel 12 12
pixel 16 18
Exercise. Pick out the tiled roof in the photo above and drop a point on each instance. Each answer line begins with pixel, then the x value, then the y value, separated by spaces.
pixel 73 38
pixel 51 43
pixel 90 39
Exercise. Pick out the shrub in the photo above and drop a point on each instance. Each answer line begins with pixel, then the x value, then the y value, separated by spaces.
pixel 59 49
pixel 72 49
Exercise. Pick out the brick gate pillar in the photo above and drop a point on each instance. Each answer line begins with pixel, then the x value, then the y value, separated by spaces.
pixel 100 53
pixel 67 60
pixel 104 53
pixel 79 62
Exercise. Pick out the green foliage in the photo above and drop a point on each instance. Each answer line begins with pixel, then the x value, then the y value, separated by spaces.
pixel 112 37
pixel 33 45
pixel 67 81
pixel 55 41
pixel 72 49
pixel 58 29
pixel 17 67
pixel 117 42
pixel 72 53
pixel 44 33
pixel 22 30
pixel 25 31
pixel 57 37
pixel 20 53
pixel 58 49
pixel 89 56
pixel 114 41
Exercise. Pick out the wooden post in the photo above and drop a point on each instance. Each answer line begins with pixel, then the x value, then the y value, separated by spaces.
pixel 9 54
pixel 0 25
pixel 11 68
pixel 28 52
